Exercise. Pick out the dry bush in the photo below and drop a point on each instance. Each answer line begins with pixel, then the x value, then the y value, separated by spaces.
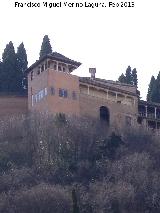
pixel 115 175
pixel 104 196
pixel 16 179
pixel 39 199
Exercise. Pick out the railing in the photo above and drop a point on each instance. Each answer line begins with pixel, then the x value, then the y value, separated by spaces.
pixel 149 115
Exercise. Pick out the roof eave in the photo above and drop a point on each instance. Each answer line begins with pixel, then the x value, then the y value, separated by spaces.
pixel 75 64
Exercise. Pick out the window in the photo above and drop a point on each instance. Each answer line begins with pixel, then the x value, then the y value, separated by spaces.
pixel 59 68
pixel 60 93
pixel 52 91
pixel 63 93
pixel 64 69
pixel 104 114
pixel 45 91
pixel 128 121
pixel 45 65
pixel 40 95
pixel 42 68
pixel 74 96
pixel 55 67
pixel 36 98
pixel 38 71
pixel 31 75
pixel 49 64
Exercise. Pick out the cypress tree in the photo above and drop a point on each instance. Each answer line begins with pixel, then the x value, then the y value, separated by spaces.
pixel 9 69
pixel 46 47
pixel 156 90
pixel 0 76
pixel 122 78
pixel 134 77
pixel 22 66
pixel 151 88
pixel 75 203
pixel 128 75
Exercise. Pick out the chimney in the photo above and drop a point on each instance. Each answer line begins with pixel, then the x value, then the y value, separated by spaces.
pixel 92 71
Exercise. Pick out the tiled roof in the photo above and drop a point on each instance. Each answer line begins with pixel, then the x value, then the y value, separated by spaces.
pixel 148 103
pixel 109 81
pixel 63 58
pixel 55 56
pixel 103 84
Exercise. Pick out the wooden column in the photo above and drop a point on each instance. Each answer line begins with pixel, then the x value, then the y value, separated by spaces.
pixel 146 112
pixel 155 112
pixel 88 90
pixel 107 94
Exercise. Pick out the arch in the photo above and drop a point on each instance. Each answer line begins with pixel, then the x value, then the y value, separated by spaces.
pixel 104 114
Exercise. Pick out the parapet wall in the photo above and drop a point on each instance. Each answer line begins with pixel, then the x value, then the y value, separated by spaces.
pixel 13 105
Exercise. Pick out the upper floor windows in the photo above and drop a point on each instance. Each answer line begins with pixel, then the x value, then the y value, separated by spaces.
pixel 63 93
pixel 52 91
pixel 49 64
pixel 59 68
pixel 39 96
pixel 55 66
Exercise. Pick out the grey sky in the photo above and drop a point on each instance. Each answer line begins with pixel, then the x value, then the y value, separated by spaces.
pixel 109 39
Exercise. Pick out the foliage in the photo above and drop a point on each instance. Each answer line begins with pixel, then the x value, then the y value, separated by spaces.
pixel 75 204
pixel 40 198
pixel 130 77
pixel 46 47
pixel 154 89
pixel 122 78
pixel 77 166
pixel 134 77
pixel 13 78
pixel 151 88
pixel 22 66
pixel 9 69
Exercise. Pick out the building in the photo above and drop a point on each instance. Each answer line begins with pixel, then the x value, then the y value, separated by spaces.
pixel 52 88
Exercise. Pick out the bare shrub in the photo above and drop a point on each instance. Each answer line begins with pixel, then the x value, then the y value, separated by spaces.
pixel 39 199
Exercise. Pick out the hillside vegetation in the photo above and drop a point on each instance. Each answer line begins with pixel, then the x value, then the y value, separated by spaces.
pixel 53 165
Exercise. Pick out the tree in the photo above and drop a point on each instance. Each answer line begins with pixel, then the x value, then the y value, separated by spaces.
pixel 22 66
pixel 134 77
pixel 156 90
pixel 151 88
pixel 75 203
pixel 122 78
pixel 128 75
pixel 46 47
pixel 9 72
pixel 0 76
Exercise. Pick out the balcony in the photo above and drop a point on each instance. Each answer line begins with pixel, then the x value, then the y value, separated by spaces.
pixel 149 115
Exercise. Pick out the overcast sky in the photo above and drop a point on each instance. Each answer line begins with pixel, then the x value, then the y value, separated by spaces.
pixel 109 39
